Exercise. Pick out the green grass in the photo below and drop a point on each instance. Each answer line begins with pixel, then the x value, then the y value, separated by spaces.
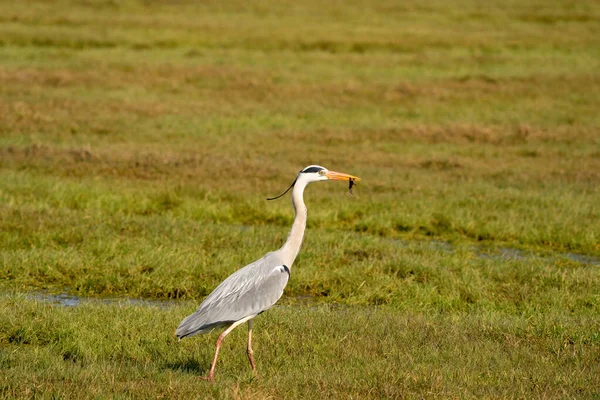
pixel 370 352
pixel 139 140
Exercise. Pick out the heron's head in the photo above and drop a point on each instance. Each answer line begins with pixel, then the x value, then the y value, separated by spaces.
pixel 315 173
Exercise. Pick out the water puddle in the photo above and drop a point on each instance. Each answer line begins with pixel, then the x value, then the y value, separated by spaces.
pixel 69 300
pixel 502 253
pixel 507 253
pixel 584 259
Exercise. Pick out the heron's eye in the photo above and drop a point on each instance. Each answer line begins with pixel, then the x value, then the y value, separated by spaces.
pixel 322 172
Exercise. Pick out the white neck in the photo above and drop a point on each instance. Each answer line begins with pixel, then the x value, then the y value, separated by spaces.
pixel 291 248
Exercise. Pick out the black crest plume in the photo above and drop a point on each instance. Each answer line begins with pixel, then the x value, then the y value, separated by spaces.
pixel 287 190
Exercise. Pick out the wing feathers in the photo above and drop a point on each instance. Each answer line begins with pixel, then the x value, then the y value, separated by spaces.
pixel 249 291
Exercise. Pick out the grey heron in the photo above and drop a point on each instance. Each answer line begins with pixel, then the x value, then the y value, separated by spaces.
pixel 258 286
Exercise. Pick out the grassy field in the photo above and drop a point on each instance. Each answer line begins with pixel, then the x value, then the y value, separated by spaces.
pixel 139 140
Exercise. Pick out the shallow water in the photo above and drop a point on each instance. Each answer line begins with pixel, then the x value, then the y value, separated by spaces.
pixel 504 253
pixel 582 258
pixel 507 253
pixel 69 300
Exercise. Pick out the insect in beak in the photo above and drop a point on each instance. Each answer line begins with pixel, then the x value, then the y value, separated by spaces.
pixel 350 184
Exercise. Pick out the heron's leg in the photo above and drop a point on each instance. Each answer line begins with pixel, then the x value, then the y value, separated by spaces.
pixel 211 374
pixel 250 352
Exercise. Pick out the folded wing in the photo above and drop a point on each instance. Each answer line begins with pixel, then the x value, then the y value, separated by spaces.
pixel 247 292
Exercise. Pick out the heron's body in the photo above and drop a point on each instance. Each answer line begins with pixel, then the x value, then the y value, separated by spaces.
pixel 257 286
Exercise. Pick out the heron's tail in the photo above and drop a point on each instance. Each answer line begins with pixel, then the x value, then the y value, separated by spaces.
pixel 193 325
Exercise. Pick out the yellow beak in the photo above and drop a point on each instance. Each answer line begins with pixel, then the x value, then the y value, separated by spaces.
pixel 339 176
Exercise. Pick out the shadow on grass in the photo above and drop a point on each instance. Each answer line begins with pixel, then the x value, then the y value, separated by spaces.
pixel 190 366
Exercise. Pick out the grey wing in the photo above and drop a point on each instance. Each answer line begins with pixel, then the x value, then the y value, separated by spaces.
pixel 249 291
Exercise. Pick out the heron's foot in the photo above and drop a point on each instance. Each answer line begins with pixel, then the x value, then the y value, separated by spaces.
pixel 209 378
pixel 255 375
pixel 251 359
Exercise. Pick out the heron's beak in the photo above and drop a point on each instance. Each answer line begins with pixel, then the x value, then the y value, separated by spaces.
pixel 338 176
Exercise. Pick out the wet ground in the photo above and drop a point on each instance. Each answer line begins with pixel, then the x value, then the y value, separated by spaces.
pixel 501 253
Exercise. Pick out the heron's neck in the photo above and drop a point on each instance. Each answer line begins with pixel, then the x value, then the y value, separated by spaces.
pixel 291 248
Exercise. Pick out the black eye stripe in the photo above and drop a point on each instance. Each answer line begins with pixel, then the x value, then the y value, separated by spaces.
pixel 312 169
